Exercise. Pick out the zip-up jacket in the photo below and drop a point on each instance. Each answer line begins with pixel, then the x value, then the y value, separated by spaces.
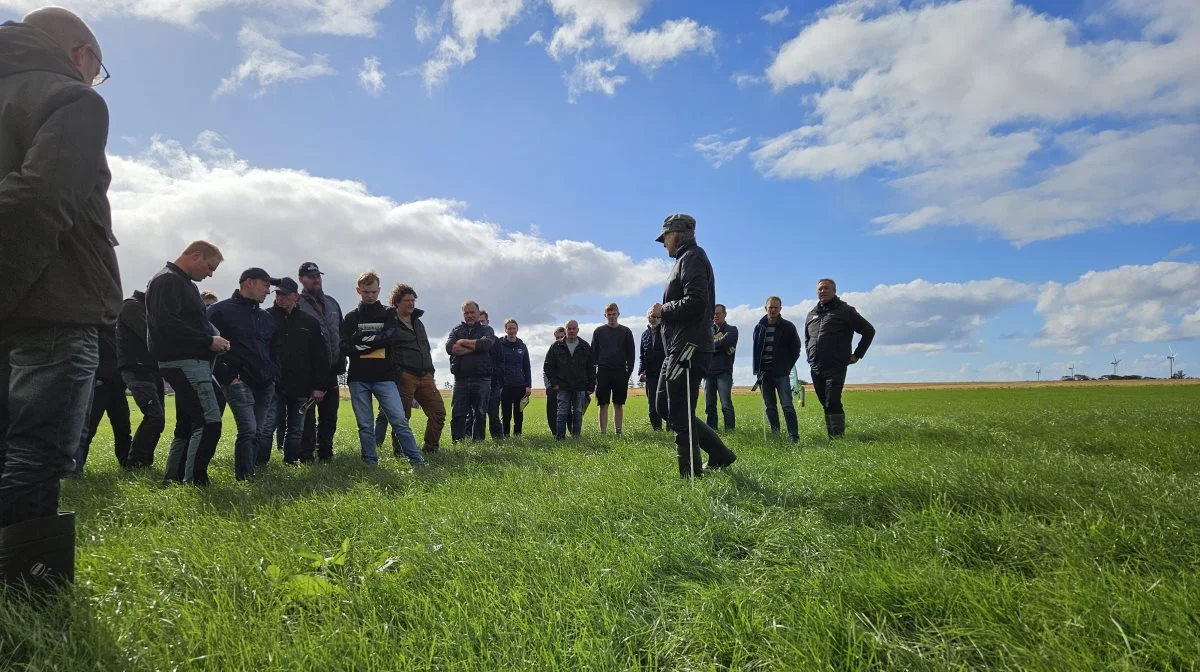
pixel 725 341
pixel 570 372
pixel 253 341
pixel 514 363
pixel 376 327
pixel 688 300
pixel 613 349
pixel 108 370
pixel 303 357
pixel 327 311
pixel 56 240
pixel 787 347
pixel 177 325
pixel 478 364
pixel 652 355
pixel 412 352
pixel 132 354
pixel 829 330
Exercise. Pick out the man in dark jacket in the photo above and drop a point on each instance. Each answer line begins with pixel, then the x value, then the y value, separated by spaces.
pixel 551 396
pixel 60 278
pixel 320 424
pixel 720 375
pixel 613 353
pixel 571 370
pixel 108 398
pixel 139 372
pixel 303 366
pixel 183 342
pixel 650 361
pixel 247 372
pixel 686 313
pixel 493 415
pixel 776 350
pixel 828 334
pixel 412 358
pixel 471 362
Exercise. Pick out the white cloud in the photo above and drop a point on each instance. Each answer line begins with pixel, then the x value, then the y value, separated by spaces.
pixel 426 28
pixel 593 76
pixel 776 16
pixel 718 151
pixel 536 38
pixel 472 20
pixel 371 76
pixel 1131 304
pixel 277 219
pixel 963 101
pixel 267 62
pixel 1180 251
pixel 655 46
pixel 744 80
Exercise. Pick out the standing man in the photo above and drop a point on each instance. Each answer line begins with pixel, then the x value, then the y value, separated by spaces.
pixel 571 369
pixel 494 425
pixel 368 332
pixel 248 371
pixel 61 281
pixel 828 334
pixel 650 362
pixel 776 350
pixel 184 343
pixel 470 347
pixel 551 396
pixel 320 424
pixel 720 376
pixel 686 313
pixel 303 366
pixel 613 354
pixel 139 371
pixel 108 398
pixel 412 359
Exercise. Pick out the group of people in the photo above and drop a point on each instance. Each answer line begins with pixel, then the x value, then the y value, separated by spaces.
pixel 70 345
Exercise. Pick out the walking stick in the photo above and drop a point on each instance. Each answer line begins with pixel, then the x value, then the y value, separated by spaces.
pixel 684 365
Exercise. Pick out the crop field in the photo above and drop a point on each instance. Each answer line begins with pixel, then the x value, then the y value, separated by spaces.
pixel 1039 528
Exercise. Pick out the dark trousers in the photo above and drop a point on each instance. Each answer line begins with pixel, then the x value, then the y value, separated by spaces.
pixel 198 410
pixel 469 408
pixel 828 383
pixel 656 420
pixel 320 424
pixel 108 397
pixel 146 388
pixel 677 405
pixel 510 409
pixel 494 421
pixel 291 415
pixel 46 377
pixel 552 410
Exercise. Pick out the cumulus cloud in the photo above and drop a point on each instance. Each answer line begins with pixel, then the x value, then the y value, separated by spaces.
pixel 267 63
pixel 593 76
pixel 371 76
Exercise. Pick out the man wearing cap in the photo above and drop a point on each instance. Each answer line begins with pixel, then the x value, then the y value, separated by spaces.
pixel 61 281
pixel 303 366
pixel 247 372
pixel 686 315
pixel 320 424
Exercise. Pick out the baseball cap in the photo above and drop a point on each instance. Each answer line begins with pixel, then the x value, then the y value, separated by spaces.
pixel 257 274
pixel 676 222
pixel 309 268
pixel 287 286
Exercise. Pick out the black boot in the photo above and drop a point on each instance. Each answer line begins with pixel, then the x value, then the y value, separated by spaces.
pixel 837 425
pixel 685 468
pixel 39 552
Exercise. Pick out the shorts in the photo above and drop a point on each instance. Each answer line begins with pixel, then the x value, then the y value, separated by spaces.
pixel 611 383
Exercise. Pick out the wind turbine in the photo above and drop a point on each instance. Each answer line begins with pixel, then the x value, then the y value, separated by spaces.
pixel 1071 368
pixel 1038 371
pixel 1171 359
pixel 1115 362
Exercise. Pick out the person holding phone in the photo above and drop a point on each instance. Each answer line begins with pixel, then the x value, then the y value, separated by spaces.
pixel 304 363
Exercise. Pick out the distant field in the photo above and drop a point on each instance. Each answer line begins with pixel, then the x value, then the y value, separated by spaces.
pixel 1029 528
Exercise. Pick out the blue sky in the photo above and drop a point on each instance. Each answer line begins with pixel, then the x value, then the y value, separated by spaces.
pixel 998 186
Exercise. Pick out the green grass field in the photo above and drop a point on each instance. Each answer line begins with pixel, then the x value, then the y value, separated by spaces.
pixel 1023 529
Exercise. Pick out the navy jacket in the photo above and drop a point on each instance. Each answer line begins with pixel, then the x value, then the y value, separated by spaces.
pixel 652 353
pixel 724 349
pixel 478 364
pixel 514 363
pixel 253 339
pixel 787 347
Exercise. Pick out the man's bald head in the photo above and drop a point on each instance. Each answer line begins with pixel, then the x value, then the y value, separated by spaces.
pixel 67 29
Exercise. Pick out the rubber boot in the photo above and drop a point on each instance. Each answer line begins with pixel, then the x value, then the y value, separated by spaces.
pixel 39 552
pixel 684 466
pixel 837 425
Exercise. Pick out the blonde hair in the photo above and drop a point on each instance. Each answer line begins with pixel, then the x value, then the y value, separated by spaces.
pixel 367 278
pixel 204 249
pixel 612 306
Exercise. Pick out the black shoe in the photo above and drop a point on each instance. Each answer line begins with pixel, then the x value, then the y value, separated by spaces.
pixel 721 464
pixel 39 552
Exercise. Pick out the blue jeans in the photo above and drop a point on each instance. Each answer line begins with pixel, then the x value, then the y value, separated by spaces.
pixel 722 384
pixel 197 419
pixel 46 377
pixel 364 413
pixel 469 408
pixel 570 414
pixel 290 416
pixel 253 410
pixel 781 387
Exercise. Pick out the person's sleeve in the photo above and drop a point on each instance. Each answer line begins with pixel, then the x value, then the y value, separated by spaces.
pixel 349 329
pixel 755 350
pixel 727 340
pixel 484 343
pixel 695 281
pixel 318 353
pixel 862 326
pixel 642 354
pixel 797 346
pixel 451 339
pixel 591 378
pixel 548 369
pixel 41 201
pixel 630 353
pixel 164 308
pixel 527 368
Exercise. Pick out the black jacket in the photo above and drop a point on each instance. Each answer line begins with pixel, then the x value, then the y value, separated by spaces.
pixel 132 353
pixel 411 351
pixel 177 325
pixel 303 357
pixel 787 347
pixel 327 311
pixel 108 371
pixel 829 330
pixel 724 349
pixel 253 354
pixel 56 241
pixel 688 300
pixel 368 333
pixel 514 363
pixel 652 354
pixel 478 364
pixel 570 373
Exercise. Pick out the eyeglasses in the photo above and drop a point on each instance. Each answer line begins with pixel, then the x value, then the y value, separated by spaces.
pixel 102 76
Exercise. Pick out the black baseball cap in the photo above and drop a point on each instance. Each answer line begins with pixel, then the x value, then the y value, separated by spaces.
pixel 309 268
pixel 257 274
pixel 287 286
pixel 676 222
